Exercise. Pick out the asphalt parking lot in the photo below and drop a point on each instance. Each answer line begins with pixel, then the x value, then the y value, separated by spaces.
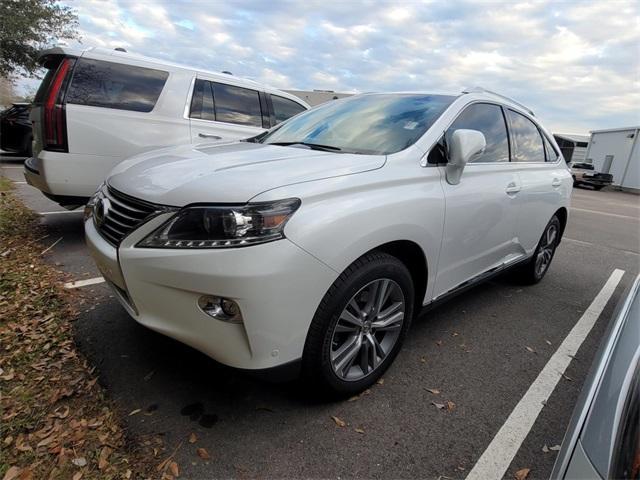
pixel 481 351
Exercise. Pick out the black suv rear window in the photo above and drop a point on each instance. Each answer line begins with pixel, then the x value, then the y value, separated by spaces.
pixel 115 85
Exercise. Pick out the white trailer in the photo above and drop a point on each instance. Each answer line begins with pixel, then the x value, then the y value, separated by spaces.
pixel 617 151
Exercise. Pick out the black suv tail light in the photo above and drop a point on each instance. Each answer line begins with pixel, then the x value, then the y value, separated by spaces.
pixel 54 123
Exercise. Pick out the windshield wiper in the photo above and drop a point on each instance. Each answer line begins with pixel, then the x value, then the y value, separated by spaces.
pixel 313 146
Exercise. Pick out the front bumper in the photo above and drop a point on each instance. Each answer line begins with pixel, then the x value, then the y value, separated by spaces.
pixel 277 285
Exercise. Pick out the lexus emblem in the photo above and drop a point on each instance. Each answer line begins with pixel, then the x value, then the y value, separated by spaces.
pixel 100 210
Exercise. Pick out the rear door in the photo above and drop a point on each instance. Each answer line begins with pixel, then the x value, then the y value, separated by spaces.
pixel 546 180
pixel 221 111
pixel 481 211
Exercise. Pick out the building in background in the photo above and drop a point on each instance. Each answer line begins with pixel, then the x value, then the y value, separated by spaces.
pixel 617 151
pixel 316 97
pixel 573 146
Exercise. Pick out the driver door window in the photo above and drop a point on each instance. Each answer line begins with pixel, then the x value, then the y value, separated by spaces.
pixel 488 119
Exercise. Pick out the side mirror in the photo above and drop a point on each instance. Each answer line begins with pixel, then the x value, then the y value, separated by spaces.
pixel 463 145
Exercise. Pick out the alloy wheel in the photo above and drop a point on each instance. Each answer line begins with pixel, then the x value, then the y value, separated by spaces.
pixel 367 329
pixel 545 252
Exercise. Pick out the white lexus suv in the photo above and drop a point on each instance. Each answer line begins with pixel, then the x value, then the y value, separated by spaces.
pixel 312 246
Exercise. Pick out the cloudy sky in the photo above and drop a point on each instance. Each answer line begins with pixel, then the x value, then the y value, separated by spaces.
pixel 576 64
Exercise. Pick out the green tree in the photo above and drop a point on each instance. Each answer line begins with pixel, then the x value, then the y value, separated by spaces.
pixel 27 26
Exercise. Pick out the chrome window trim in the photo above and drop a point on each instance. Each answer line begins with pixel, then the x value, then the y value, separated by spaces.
pixel 425 164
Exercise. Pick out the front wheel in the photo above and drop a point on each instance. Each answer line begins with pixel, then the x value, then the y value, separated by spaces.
pixel 536 268
pixel 360 325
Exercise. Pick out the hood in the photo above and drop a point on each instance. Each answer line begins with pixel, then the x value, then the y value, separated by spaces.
pixel 230 172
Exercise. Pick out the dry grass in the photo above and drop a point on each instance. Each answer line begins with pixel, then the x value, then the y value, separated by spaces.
pixel 55 419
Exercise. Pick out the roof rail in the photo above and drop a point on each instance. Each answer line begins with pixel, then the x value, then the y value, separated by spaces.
pixel 484 90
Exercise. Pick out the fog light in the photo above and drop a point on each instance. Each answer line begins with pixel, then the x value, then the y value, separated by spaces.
pixel 222 309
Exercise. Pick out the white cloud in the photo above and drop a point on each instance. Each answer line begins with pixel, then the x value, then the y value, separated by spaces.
pixel 575 63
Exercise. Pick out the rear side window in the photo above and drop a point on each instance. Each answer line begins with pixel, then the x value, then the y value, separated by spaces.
pixel 115 85
pixel 202 101
pixel 528 145
pixel 489 120
pixel 225 103
pixel 237 105
pixel 283 108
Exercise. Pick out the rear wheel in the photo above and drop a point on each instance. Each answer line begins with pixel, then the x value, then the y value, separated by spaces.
pixel 536 268
pixel 598 187
pixel 360 325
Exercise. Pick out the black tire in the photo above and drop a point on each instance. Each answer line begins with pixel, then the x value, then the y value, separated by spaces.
pixel 530 273
pixel 597 188
pixel 317 369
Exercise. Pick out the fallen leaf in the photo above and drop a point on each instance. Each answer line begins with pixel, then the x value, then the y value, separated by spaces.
pixel 103 459
pixel 548 342
pixel 530 349
pixel 77 476
pixel 358 430
pixel 522 474
pixel 202 453
pixel 173 468
pixel 555 448
pixel 339 421
pixel 133 412
pixel 354 398
pixel 264 408
pixel 435 391
pixel 450 406
pixel 567 377
pixel 454 334
pixel 64 414
pixel 12 473
pixel 148 376
pixel 439 343
pixel 545 449
pixel 423 359
pixel 193 438
pixel 439 406
pixel 380 382
pixel 79 462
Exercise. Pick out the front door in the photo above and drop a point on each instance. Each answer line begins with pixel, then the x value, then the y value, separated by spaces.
pixel 481 211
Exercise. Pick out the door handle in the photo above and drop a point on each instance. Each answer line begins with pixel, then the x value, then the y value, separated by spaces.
pixel 556 182
pixel 512 188
pixel 209 135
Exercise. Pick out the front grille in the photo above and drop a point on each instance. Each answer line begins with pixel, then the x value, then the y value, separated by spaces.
pixel 122 215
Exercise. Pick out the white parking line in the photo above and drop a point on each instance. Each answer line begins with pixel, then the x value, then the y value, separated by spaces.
pixel 604 213
pixel 84 283
pixel 58 212
pixel 496 459
pixel 589 244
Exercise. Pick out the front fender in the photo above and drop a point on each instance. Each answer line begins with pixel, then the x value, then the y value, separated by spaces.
pixel 341 219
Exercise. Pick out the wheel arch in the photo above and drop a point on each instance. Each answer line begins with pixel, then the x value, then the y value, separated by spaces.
pixel 414 258
pixel 562 215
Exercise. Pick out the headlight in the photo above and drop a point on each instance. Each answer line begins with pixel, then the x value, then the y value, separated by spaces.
pixel 88 208
pixel 223 226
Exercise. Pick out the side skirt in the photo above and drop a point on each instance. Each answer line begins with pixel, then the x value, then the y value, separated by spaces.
pixel 469 284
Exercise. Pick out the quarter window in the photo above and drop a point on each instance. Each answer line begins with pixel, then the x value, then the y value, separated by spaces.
pixel 237 105
pixel 528 145
pixel 283 108
pixel 115 85
pixel 550 152
pixel 488 119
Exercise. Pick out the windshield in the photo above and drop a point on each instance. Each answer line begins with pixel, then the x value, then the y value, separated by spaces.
pixel 372 124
